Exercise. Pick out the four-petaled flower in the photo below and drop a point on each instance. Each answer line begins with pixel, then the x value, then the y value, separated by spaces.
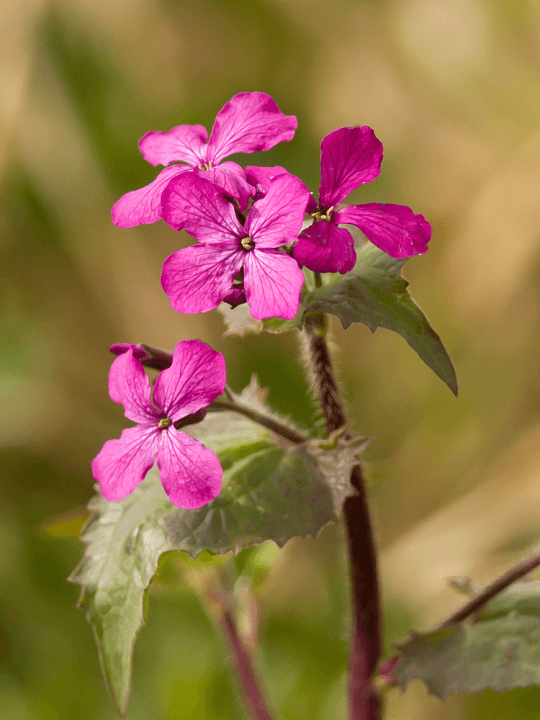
pixel 190 473
pixel 198 278
pixel 248 123
pixel 351 157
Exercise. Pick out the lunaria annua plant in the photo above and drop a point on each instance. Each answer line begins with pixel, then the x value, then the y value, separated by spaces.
pixel 206 468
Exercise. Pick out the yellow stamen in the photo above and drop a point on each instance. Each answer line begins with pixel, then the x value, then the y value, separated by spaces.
pixel 247 243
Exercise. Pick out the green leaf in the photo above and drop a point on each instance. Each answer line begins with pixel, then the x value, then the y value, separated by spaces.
pixel 125 540
pixel 271 490
pixel 500 651
pixel 375 294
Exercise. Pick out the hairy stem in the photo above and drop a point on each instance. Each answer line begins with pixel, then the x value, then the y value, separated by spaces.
pixel 364 701
pixel 244 668
pixel 323 374
pixel 366 640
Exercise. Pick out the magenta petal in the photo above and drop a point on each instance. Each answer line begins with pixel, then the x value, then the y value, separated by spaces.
pixel 143 206
pixel 350 157
pixel 194 204
pixel 277 218
pixel 231 179
pixel 184 143
pixel 323 247
pixel 395 229
pixel 273 282
pixel 261 177
pixel 195 378
pixel 129 386
pixel 190 473
pixel 197 278
pixel 122 464
pixel 249 122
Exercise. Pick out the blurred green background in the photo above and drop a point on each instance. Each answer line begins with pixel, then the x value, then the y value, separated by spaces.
pixel 452 89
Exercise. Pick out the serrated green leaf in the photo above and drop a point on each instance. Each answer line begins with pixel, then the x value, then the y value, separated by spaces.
pixel 270 491
pixel 375 294
pixel 500 651
pixel 500 654
pixel 125 541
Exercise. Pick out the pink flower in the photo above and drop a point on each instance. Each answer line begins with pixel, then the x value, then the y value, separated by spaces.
pixel 351 157
pixel 198 278
pixel 248 123
pixel 190 473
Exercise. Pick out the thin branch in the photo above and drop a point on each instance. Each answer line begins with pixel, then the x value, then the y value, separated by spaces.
pixel 472 606
pixel 265 420
pixel 364 701
pixel 478 601
pixel 246 673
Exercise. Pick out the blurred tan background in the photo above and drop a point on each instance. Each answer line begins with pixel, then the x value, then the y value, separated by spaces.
pixel 452 89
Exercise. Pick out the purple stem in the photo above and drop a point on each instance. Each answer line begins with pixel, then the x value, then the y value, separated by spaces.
pixel 244 668
pixel 364 701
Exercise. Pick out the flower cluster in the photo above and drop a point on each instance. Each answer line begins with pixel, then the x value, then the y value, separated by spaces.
pixel 256 229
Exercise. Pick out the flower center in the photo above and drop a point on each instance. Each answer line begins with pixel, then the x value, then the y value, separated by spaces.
pixel 164 423
pixel 322 214
pixel 247 243
pixel 205 166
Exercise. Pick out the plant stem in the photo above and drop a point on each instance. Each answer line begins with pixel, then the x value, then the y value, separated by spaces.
pixel 364 701
pixel 265 420
pixel 246 673
pixel 323 374
pixel 366 640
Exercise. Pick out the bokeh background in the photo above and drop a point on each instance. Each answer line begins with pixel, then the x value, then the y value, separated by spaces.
pixel 452 88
